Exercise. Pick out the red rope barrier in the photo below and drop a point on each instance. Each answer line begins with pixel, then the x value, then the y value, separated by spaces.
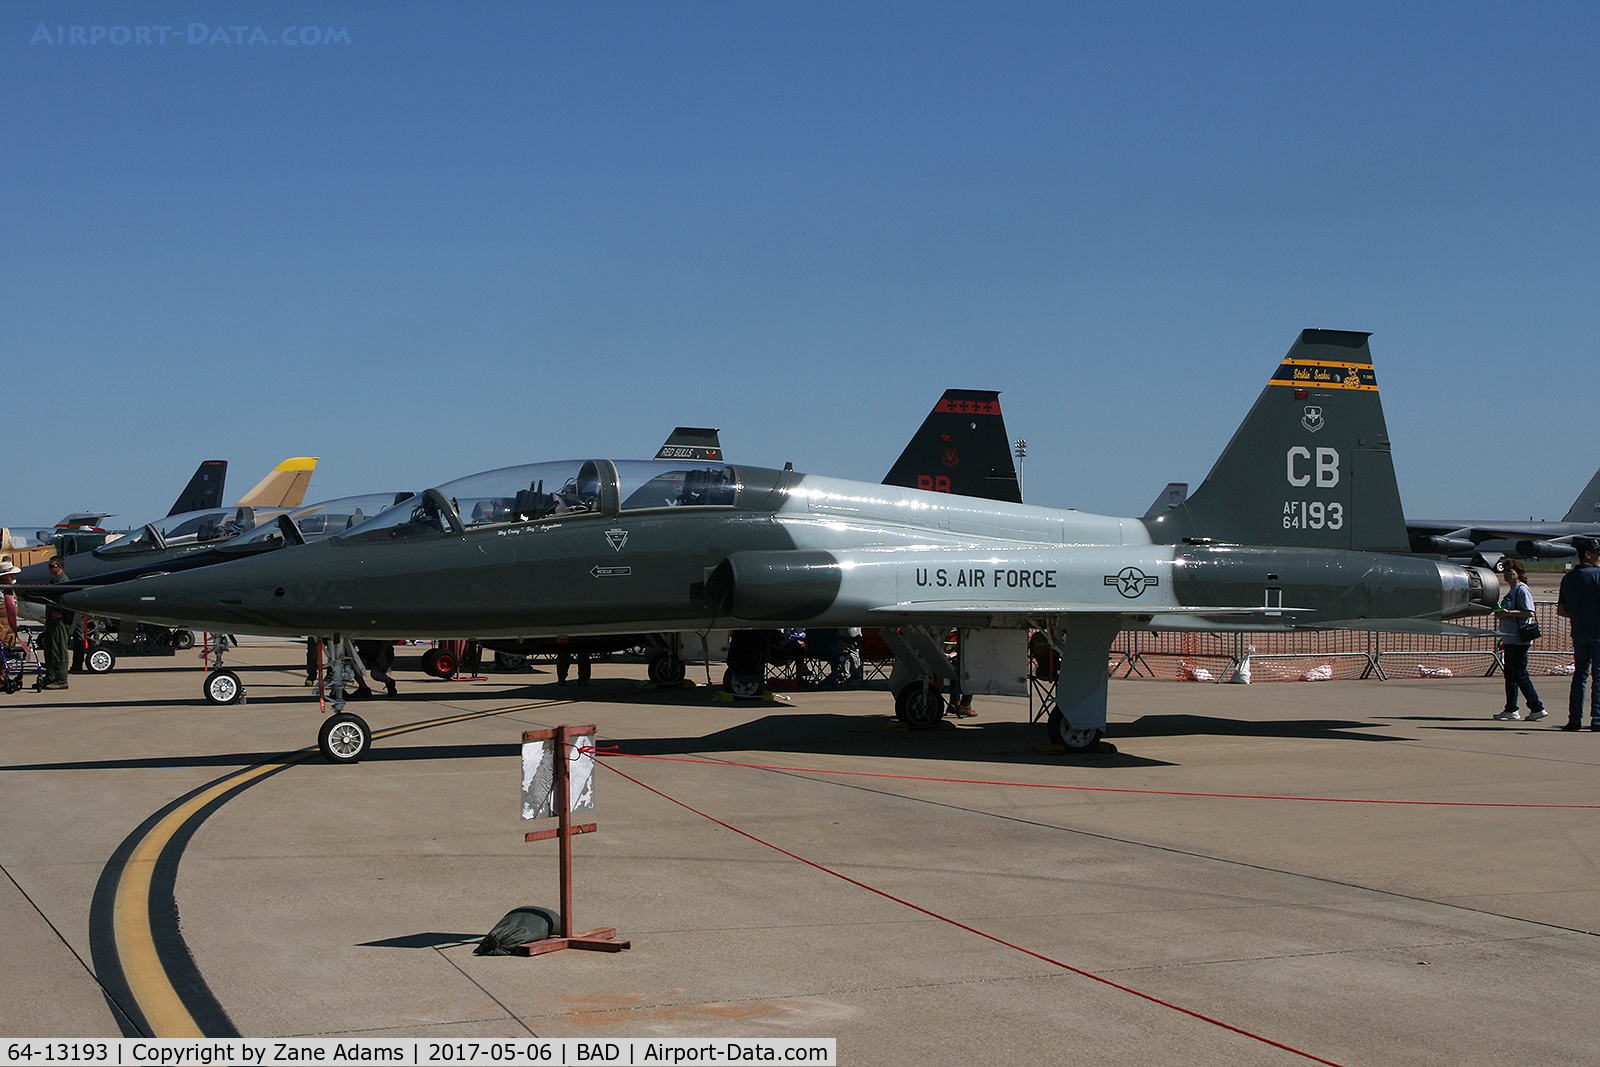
pixel 945 919
pixel 1096 788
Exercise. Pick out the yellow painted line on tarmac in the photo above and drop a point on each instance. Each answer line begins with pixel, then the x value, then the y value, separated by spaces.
pixel 135 940
pixel 133 935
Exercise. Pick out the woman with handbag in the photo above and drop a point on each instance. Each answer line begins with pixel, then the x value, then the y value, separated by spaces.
pixel 1518 629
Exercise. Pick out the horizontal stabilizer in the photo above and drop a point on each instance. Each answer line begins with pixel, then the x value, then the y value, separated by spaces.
pixel 1408 626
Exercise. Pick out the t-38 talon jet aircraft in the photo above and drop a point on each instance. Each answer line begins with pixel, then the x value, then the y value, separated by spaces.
pixel 601 546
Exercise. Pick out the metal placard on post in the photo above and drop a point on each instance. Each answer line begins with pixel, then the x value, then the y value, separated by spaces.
pixel 558 780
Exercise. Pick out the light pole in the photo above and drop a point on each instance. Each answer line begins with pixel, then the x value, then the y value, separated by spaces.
pixel 1021 454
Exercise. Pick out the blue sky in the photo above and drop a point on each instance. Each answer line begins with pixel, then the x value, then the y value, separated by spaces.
pixel 481 235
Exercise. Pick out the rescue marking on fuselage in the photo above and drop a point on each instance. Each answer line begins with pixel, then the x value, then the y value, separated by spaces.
pixel 610 572
pixel 616 538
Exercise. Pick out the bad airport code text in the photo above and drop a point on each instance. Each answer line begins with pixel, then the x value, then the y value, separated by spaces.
pixel 539 1052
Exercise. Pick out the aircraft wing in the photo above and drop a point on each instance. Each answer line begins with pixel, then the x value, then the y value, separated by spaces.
pixel 1012 607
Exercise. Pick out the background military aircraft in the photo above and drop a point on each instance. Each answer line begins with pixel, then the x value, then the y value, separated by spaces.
pixel 203 491
pixel 960 448
pixel 1488 540
pixel 181 532
pixel 599 546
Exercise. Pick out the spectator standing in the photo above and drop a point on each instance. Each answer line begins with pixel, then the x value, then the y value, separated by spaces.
pixel 1516 607
pixel 1579 603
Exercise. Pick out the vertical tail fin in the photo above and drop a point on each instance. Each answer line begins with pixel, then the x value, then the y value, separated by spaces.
pixel 204 490
pixel 1587 507
pixel 284 486
pixel 1173 495
pixel 692 443
pixel 960 448
pixel 1310 464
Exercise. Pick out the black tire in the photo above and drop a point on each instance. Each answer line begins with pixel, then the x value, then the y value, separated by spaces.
pixel 1074 741
pixel 182 639
pixel 430 662
pixel 509 661
pixel 344 738
pixel 223 687
pixel 743 686
pixel 445 663
pixel 667 669
pixel 919 705
pixel 99 660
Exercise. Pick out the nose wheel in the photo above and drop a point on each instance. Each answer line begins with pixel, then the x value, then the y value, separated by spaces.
pixel 344 738
pixel 222 686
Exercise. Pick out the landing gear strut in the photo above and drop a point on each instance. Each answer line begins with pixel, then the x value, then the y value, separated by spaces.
pixel 221 686
pixel 344 737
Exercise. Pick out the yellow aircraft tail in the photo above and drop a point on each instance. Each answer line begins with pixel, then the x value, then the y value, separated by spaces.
pixel 284 486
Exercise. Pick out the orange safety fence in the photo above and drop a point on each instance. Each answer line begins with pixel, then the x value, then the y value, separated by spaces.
pixel 1316 655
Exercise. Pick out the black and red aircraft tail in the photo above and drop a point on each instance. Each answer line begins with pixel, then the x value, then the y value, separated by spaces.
pixel 699 443
pixel 204 490
pixel 960 448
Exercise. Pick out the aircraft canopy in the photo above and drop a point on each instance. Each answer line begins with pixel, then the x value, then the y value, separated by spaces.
pixel 569 488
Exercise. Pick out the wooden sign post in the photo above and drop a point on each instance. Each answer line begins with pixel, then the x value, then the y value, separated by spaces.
pixel 550 761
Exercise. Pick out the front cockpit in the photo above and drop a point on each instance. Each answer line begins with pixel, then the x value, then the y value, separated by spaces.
pixel 538 492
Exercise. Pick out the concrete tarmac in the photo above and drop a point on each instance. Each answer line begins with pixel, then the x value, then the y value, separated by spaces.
pixel 942 898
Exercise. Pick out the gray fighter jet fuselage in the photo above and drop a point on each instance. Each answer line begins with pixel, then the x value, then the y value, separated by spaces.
pixel 1297 526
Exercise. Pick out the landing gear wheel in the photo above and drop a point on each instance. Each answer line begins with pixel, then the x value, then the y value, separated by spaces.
pixel 99 660
pixel 919 705
pixel 509 661
pixel 667 669
pixel 1074 741
pixel 182 639
pixel 743 686
pixel 344 738
pixel 223 687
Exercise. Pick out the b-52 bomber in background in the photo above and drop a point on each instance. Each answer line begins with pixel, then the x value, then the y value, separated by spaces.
pixel 1487 541
pixel 596 546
